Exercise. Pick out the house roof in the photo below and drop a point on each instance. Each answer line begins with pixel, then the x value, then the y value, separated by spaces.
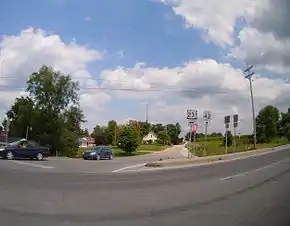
pixel 151 132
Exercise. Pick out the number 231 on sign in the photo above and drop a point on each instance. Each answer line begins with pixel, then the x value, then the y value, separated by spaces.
pixel 191 114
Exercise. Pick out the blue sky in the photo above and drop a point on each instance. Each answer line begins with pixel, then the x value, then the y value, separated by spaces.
pixel 144 30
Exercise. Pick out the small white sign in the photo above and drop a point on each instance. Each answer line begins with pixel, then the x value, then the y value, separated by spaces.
pixel 191 122
pixel 206 116
pixel 191 114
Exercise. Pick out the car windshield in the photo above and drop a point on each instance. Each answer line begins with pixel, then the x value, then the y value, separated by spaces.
pixel 15 143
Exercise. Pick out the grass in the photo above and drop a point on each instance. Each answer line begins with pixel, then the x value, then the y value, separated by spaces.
pixel 215 146
pixel 142 150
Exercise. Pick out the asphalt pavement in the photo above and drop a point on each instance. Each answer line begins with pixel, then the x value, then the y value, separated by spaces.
pixel 250 191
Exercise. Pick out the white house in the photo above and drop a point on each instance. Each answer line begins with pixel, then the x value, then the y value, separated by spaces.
pixel 150 136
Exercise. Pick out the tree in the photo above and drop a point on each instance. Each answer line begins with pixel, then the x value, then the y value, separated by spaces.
pixel 157 128
pixel 284 126
pixel 267 123
pixel 51 110
pixel 99 135
pixel 163 138
pixel 111 131
pixel 173 131
pixel 22 116
pixel 85 132
pixel 128 140
pixel 228 139
pixel 145 128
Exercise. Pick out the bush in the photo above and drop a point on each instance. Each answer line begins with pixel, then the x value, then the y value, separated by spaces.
pixel 229 139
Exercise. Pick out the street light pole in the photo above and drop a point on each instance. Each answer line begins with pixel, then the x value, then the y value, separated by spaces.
pixel 249 73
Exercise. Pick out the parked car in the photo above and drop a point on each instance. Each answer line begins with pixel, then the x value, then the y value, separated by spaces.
pixel 98 153
pixel 24 149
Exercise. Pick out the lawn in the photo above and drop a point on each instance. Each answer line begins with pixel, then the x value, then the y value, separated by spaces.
pixel 215 146
pixel 142 150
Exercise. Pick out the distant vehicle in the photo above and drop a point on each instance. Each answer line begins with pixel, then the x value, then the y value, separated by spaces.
pixel 98 153
pixel 24 149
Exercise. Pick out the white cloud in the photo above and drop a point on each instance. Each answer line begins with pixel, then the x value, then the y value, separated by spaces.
pixel 217 19
pixel 26 52
pixel 265 41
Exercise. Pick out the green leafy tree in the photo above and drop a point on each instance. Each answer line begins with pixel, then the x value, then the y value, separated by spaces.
pixel 284 126
pixel 99 135
pixel 51 110
pixel 163 138
pixel 157 128
pixel 229 139
pixel 173 131
pixel 111 132
pixel 267 123
pixel 145 128
pixel 129 139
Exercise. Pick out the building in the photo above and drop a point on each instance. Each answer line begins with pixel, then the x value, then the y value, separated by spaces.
pixel 86 142
pixel 151 137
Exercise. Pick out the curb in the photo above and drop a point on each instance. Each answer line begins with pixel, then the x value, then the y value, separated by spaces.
pixel 214 158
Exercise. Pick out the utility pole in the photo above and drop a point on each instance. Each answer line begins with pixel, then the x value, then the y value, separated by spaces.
pixel 146 113
pixel 248 75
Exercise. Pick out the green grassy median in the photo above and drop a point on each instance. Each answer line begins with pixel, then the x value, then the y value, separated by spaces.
pixel 215 146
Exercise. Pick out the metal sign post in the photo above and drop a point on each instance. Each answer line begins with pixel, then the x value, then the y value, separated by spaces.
pixel 191 116
pixel 195 128
pixel 235 125
pixel 206 120
pixel 227 125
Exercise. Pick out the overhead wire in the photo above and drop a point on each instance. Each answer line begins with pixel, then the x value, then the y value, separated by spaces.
pixel 153 88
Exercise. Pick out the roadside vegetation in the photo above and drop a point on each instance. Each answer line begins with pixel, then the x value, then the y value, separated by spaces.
pixel 273 129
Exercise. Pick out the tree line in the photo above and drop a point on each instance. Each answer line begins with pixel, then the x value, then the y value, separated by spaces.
pixel 132 134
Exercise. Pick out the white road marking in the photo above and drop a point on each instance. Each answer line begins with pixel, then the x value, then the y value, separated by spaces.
pixel 245 173
pixel 31 164
pixel 128 167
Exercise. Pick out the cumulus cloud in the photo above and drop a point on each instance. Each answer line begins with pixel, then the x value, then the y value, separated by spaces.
pixel 265 41
pixel 216 19
pixel 26 52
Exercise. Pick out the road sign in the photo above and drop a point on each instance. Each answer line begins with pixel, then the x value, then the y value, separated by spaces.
pixel 195 128
pixel 191 114
pixel 206 116
pixel 227 119
pixel 236 118
pixel 191 122
pixel 235 124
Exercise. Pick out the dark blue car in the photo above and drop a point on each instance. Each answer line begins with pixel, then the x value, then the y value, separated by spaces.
pixel 98 153
pixel 24 149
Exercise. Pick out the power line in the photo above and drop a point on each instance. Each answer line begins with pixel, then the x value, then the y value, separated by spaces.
pixel 167 89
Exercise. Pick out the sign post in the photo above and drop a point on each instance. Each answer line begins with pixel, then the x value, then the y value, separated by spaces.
pixel 195 128
pixel 191 116
pixel 227 125
pixel 235 125
pixel 206 120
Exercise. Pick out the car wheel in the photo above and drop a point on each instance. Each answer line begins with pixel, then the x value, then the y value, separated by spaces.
pixel 111 157
pixel 39 156
pixel 98 157
pixel 9 155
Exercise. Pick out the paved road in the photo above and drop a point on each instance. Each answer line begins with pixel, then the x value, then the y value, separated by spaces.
pixel 252 191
